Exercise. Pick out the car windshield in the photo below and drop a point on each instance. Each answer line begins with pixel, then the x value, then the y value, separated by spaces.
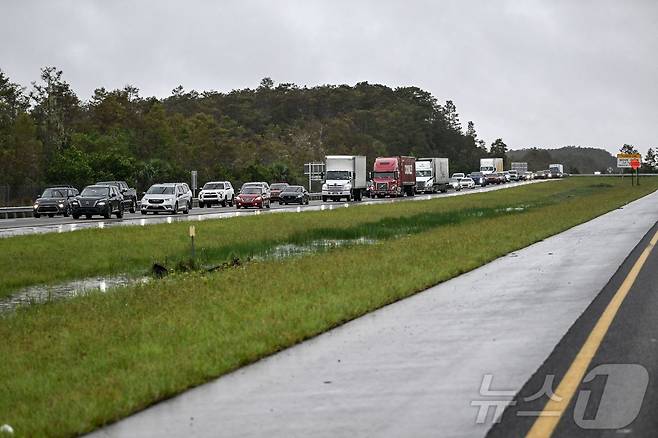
pixel 294 189
pixel 160 190
pixel 384 175
pixel 213 186
pixel 278 186
pixel 423 173
pixel 96 191
pixel 54 193
pixel 251 190
pixel 338 174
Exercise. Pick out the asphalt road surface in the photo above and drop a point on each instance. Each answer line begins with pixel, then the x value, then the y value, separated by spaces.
pixel 617 396
pixel 59 224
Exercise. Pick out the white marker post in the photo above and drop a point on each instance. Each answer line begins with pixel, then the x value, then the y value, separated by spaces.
pixel 192 236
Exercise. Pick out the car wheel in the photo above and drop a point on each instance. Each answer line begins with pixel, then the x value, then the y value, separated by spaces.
pixel 269 204
pixel 187 209
pixel 237 206
pixel 230 204
pixel 133 206
pixel 76 216
pixel 108 212
pixel 175 209
pixel 223 203
pixel 120 212
pixel 144 212
pixel 261 205
pixel 67 211
pixel 324 199
pixel 201 204
pixel 37 215
pixel 280 203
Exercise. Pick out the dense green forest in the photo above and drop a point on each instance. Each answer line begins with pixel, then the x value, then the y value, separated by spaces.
pixel 48 135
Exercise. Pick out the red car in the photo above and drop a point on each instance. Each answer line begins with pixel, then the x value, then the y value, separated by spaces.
pixel 253 196
pixel 275 191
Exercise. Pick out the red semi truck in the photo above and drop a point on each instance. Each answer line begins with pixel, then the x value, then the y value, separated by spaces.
pixel 394 176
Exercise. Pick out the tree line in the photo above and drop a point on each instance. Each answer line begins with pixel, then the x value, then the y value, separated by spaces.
pixel 48 135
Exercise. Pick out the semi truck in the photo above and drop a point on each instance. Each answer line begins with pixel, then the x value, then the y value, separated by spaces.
pixel 432 175
pixel 491 165
pixel 345 177
pixel 521 168
pixel 394 176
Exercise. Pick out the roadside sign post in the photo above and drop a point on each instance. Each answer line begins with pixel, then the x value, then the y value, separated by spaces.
pixel 630 161
pixel 315 172
pixel 192 236
pixel 194 182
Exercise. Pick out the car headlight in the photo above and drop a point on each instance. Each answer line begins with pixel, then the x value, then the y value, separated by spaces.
pixel 36 205
pixel 60 205
pixel 74 202
pixel 100 203
pixel 324 187
pixel 299 196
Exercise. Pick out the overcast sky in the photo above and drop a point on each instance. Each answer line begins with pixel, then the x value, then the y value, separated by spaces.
pixel 536 73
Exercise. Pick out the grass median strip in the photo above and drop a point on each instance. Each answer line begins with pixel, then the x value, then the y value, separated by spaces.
pixel 70 366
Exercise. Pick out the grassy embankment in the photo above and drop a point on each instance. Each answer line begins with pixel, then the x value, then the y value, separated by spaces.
pixel 70 366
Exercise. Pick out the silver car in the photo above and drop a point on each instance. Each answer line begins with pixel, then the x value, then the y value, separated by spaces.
pixel 167 198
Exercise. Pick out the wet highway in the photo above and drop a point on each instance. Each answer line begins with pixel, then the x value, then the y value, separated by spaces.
pixel 59 224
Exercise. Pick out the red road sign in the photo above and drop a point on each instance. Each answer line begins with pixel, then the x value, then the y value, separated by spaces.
pixel 635 163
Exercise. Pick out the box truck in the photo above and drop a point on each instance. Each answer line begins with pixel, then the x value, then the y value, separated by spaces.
pixel 345 177
pixel 491 165
pixel 432 175
pixel 556 168
pixel 394 176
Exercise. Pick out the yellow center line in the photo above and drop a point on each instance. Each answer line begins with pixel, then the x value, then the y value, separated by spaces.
pixel 550 416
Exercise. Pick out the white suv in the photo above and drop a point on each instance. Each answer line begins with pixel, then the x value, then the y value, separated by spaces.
pixel 168 198
pixel 216 192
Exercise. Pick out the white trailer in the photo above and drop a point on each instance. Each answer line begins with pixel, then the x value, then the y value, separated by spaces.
pixel 491 165
pixel 345 177
pixel 432 175
pixel 521 168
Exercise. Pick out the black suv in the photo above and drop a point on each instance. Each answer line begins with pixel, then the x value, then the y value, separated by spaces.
pixel 104 200
pixel 129 194
pixel 55 200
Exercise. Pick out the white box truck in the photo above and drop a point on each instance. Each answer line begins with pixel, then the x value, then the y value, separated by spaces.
pixel 558 167
pixel 491 165
pixel 432 175
pixel 345 177
pixel 521 168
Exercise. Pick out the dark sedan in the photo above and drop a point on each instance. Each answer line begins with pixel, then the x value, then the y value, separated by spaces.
pixel 294 195
pixel 53 201
pixel 479 178
pixel 98 200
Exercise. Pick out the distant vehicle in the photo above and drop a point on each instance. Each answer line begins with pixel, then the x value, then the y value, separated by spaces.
pixel 370 188
pixel 295 195
pixel 54 201
pixel 467 183
pixel 454 183
pixel 491 165
pixel 479 178
pixel 513 175
pixel 432 175
pixel 167 198
pixel 216 192
pixel 541 174
pixel 558 168
pixel 276 189
pixel 507 176
pixel 345 177
pixel 129 194
pixel 528 176
pixel 253 196
pixel 394 176
pixel 520 167
pixel 262 184
pixel 494 178
pixel 103 200
pixel 458 175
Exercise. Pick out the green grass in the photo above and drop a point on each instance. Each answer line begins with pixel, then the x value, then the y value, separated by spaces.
pixel 71 366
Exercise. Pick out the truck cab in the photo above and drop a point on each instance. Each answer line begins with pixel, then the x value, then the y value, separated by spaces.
pixel 394 176
pixel 345 177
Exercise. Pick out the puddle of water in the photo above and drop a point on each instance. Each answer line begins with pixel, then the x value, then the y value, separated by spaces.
pixel 44 293
pixel 293 250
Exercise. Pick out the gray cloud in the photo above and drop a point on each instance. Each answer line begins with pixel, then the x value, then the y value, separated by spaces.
pixel 536 73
